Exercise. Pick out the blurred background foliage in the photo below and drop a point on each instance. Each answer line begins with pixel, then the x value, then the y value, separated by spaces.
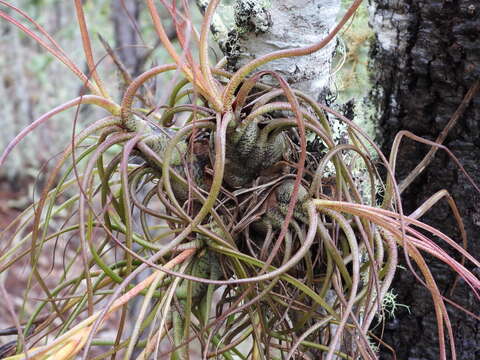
pixel 31 82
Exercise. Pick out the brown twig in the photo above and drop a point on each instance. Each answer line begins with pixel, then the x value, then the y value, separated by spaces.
pixel 441 138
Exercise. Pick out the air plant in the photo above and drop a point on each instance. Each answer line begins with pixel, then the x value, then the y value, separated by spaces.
pixel 243 240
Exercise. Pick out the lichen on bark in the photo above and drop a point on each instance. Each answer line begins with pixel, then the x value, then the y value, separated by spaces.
pixel 263 27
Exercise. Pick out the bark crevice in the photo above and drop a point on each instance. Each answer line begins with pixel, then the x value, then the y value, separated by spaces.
pixel 419 82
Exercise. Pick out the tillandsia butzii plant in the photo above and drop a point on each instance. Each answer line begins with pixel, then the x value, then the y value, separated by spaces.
pixel 210 210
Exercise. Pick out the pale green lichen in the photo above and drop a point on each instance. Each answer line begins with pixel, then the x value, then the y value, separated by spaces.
pixel 374 346
pixel 352 74
pixel 390 305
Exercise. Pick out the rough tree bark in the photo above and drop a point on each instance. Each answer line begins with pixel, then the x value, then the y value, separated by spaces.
pixel 426 57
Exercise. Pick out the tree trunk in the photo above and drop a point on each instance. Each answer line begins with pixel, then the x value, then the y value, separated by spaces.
pixel 263 27
pixel 125 15
pixel 426 58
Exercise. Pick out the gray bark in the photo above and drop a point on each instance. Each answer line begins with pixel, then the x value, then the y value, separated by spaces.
pixel 426 57
pixel 263 27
